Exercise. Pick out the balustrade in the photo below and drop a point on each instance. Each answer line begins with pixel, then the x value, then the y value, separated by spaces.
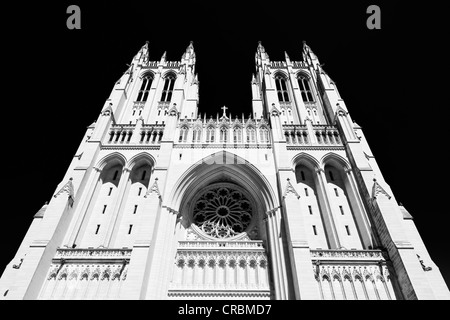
pixel 323 135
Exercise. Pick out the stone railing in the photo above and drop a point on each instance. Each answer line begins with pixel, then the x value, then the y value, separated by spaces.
pixel 352 275
pixel 125 134
pixel 151 134
pixel 86 273
pixel 235 267
pixel 347 255
pixel 320 135
pixel 277 64
pixel 299 64
pixel 219 245
pixel 120 134
pixel 237 132
pixel 90 254
pixel 163 104
pixel 138 104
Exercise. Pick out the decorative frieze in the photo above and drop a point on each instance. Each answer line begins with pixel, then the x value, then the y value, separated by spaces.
pixel 352 275
pixel 79 273
pixel 212 267
pixel 221 245
pixel 347 255
pixel 99 255
pixel 229 294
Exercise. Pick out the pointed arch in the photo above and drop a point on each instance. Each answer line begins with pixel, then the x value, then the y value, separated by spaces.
pixel 169 73
pixel 146 82
pixel 219 165
pixel 334 160
pixel 304 83
pixel 169 82
pixel 111 160
pixel 281 85
pixel 140 159
pixel 305 159
pixel 280 73
pixel 303 73
pixel 147 73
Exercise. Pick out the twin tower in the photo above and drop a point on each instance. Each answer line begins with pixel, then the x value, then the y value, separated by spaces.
pixel 161 202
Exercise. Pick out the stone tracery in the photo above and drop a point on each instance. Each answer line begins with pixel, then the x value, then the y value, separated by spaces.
pixel 222 212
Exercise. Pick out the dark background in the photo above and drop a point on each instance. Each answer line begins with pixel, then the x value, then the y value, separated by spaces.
pixel 393 81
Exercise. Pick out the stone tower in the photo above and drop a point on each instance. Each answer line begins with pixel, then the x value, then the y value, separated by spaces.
pixel 162 202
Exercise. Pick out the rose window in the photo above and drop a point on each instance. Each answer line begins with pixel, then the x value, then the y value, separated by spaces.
pixel 222 212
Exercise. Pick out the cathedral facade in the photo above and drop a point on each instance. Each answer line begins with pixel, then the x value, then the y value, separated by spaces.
pixel 161 202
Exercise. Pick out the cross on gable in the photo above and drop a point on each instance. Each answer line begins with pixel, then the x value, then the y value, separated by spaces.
pixel 224 109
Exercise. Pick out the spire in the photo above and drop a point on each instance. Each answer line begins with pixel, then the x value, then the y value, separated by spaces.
pixel 309 56
pixel 189 53
pixel 260 47
pixel 143 53
pixel 286 57
pixel 307 50
pixel 261 52
pixel 146 51
pixel 163 57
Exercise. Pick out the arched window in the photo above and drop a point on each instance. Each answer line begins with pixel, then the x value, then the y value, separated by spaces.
pixel 197 134
pixel 183 134
pixel 210 134
pixel 168 88
pixel 237 135
pixel 282 92
pixel 251 137
pixel 305 89
pixel 145 87
pixel 223 134
pixel 264 134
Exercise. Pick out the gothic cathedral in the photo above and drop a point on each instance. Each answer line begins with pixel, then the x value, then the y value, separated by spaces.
pixel 161 202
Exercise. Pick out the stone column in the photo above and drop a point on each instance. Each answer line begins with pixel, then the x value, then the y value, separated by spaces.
pixel 277 255
pixel 86 198
pixel 305 286
pixel 122 193
pixel 37 262
pixel 327 215
pixel 160 264
pixel 138 271
pixel 360 214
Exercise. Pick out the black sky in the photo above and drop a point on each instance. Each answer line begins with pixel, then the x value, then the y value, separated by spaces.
pixel 391 80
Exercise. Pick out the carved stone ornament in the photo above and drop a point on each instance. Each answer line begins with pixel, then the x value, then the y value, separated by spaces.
pixel 290 190
pixel 222 212
pixel 274 111
pixel 377 189
pixel 67 188
pixel 153 189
